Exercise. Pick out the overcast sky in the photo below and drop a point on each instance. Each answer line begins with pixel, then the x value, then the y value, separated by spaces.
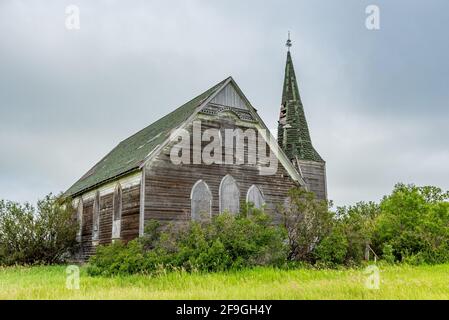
pixel 377 102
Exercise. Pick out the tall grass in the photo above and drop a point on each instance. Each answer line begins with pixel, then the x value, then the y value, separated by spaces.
pixel 397 282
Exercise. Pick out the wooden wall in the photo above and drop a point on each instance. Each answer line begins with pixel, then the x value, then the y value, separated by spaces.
pixel 229 97
pixel 168 186
pixel 105 234
pixel 86 234
pixel 129 223
pixel 314 174
pixel 130 213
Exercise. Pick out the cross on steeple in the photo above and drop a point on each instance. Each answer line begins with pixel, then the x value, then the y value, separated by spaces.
pixel 288 44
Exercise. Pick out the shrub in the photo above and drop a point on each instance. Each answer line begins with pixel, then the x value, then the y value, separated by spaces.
pixel 388 253
pixel 357 224
pixel 332 250
pixel 413 259
pixel 321 237
pixel 117 258
pixel 307 221
pixel 44 235
pixel 225 242
pixel 411 225
pixel 415 222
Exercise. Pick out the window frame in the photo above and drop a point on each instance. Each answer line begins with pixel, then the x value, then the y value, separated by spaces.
pixel 220 195
pixel 254 186
pixel 117 221
pixel 96 217
pixel 79 216
pixel 201 181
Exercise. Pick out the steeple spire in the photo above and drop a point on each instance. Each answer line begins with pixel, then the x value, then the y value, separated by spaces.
pixel 293 132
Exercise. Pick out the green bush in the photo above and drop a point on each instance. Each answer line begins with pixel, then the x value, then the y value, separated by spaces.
pixel 223 243
pixel 332 250
pixel 411 226
pixel 415 222
pixel 357 224
pixel 319 236
pixel 44 235
pixel 388 253
pixel 307 220
pixel 413 259
pixel 118 258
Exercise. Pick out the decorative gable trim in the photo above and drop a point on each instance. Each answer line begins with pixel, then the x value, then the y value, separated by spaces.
pixel 214 109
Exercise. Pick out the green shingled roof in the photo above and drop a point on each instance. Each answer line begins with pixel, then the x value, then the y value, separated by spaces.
pixel 131 153
pixel 293 135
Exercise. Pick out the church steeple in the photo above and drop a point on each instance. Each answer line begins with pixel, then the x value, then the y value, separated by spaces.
pixel 293 132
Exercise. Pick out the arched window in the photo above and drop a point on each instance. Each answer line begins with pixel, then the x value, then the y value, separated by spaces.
pixel 255 197
pixel 117 212
pixel 96 217
pixel 79 218
pixel 229 195
pixel 201 200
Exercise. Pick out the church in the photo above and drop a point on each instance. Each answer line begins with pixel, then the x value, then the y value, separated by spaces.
pixel 139 180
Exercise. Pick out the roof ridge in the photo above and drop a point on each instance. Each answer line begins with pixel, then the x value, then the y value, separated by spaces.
pixel 212 89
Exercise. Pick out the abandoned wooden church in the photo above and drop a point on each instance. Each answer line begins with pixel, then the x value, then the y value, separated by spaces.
pixel 139 181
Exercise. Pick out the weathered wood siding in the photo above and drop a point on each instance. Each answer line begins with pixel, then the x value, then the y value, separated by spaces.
pixel 130 213
pixel 229 97
pixel 129 222
pixel 86 234
pixel 314 174
pixel 105 219
pixel 168 186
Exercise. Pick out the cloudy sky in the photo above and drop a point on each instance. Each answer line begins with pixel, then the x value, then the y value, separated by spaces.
pixel 377 102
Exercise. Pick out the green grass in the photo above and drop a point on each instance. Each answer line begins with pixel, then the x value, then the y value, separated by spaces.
pixel 397 282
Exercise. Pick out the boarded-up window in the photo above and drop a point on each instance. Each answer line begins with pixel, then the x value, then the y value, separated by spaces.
pixel 79 218
pixel 117 212
pixel 201 199
pixel 255 197
pixel 96 217
pixel 229 195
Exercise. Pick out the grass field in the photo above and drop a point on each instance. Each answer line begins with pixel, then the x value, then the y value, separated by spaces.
pixel 396 282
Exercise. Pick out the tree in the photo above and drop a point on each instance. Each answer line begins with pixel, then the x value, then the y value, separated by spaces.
pixel 307 221
pixel 357 223
pixel 415 222
pixel 46 234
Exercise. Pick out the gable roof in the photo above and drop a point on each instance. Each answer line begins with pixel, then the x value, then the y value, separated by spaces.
pixel 131 153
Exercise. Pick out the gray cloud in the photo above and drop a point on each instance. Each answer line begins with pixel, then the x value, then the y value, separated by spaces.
pixel 377 102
